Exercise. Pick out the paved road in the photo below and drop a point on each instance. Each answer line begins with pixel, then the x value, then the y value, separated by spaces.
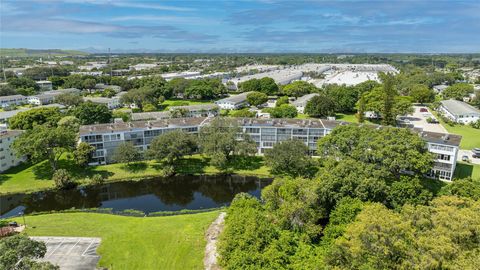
pixel 71 253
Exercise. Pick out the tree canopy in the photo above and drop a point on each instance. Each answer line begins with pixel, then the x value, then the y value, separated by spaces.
pixel 320 106
pixel 298 89
pixel 37 116
pixel 92 113
pixel 289 157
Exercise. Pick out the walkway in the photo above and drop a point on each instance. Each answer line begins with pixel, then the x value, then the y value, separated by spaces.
pixel 210 261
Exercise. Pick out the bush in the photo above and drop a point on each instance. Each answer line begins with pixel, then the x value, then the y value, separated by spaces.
pixel 62 179
pixel 475 124
pixel 97 179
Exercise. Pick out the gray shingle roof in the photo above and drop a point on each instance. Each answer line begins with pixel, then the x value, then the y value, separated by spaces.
pixel 456 107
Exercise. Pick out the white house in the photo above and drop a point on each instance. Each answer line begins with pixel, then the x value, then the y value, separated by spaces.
pixel 111 103
pixel 13 100
pixel 233 102
pixel 8 157
pixel 302 101
pixel 48 97
pixel 459 112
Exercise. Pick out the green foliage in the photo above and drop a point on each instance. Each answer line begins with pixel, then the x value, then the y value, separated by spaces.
pixel 171 146
pixel 28 119
pixel 344 213
pixel 62 179
pixel 408 190
pixel 218 140
pixel 281 100
pixel 205 89
pixel 23 83
pixel 298 89
pixel 458 91
pixel 466 188
pixel 344 97
pixel 139 97
pixel 422 237
pixel 97 179
pixel 283 111
pixel 20 252
pixel 92 113
pixel 291 158
pixel 265 85
pixel 6 90
pixel 320 106
pixel 89 83
pixel 44 142
pixel 257 98
pixel 69 122
pixel 83 153
pixel 69 99
pixel 393 149
pixel 126 152
pixel 422 94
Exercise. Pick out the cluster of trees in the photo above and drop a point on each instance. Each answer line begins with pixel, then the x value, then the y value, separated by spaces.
pixel 21 252
pixel 356 212
pixel 265 85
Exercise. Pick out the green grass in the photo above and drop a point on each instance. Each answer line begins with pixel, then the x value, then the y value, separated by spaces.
pixel 470 135
pixel 30 178
pixel 174 242
pixel 464 170
pixel 181 102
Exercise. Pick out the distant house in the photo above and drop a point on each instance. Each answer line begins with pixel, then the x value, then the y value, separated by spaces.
pixel 48 97
pixel 201 110
pixel 45 85
pixel 101 87
pixel 233 102
pixel 459 112
pixel 439 88
pixel 13 100
pixel 302 101
pixel 111 103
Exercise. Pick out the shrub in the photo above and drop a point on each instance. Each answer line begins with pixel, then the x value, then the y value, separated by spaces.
pixel 97 179
pixel 62 179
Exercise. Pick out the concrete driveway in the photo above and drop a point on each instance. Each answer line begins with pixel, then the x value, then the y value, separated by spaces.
pixel 468 153
pixel 71 253
pixel 419 119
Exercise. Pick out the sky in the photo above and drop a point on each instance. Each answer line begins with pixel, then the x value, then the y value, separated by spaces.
pixel 434 26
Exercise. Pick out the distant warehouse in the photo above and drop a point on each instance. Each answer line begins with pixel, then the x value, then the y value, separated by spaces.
pixel 459 112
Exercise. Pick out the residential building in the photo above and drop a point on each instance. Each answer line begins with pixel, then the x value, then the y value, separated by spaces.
pixel 439 88
pixel 302 101
pixel 45 85
pixel 111 103
pixel 101 87
pixel 233 102
pixel 265 132
pixel 8 157
pixel 459 112
pixel 143 66
pixel 4 116
pixel 200 110
pixel 144 116
pixel 13 100
pixel 48 97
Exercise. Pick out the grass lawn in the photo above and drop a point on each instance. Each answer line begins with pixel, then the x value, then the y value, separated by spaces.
pixel 174 242
pixel 464 170
pixel 29 178
pixel 470 135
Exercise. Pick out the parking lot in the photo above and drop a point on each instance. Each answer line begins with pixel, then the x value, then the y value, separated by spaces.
pixel 71 253
pixel 469 154
pixel 419 119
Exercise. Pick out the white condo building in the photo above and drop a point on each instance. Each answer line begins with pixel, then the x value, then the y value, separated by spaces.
pixel 8 158
pixel 265 132
pixel 459 111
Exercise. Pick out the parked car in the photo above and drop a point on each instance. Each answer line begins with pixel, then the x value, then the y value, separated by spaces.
pixel 423 110
pixel 465 158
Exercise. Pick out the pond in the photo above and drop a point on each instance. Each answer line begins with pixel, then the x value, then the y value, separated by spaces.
pixel 152 195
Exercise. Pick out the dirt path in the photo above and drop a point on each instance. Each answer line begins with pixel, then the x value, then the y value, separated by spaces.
pixel 210 260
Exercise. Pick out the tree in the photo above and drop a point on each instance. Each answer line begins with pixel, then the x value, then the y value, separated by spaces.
pixel 281 100
pixel 252 85
pixel 388 116
pixel 139 97
pixel 467 188
pixel 458 91
pixel 245 112
pixel 45 142
pixel 361 109
pixel 268 86
pixel 284 111
pixel 256 98
pixel 298 89
pixel 320 106
pixel 171 146
pixel 69 122
pixel 92 113
pixel 344 97
pixel 177 86
pixel 82 153
pixel 21 252
pixel 126 152
pixel 62 179
pixel 23 82
pixel 69 99
pixel 408 190
pixel 6 90
pixel 218 140
pixel 422 94
pixel 156 84
pixel 394 149
pixel 38 116
pixel 291 158
pixel 89 83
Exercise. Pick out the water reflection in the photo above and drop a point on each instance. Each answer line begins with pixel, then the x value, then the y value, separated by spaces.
pixel 162 194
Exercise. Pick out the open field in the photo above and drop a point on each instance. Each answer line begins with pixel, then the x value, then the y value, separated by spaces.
pixel 29 178
pixel 180 102
pixel 464 170
pixel 470 136
pixel 174 242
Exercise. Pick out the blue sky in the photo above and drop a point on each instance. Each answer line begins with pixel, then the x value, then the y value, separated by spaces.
pixel 243 26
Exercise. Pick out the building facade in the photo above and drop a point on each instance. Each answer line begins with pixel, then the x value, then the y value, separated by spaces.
pixel 459 112
pixel 8 158
pixel 265 132
pixel 13 100
pixel 233 102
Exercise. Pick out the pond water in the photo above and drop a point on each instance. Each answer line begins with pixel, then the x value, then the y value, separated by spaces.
pixel 160 194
